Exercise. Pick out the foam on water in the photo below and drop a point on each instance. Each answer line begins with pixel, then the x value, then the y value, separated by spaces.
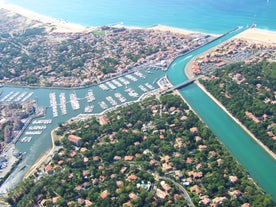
pixel 202 15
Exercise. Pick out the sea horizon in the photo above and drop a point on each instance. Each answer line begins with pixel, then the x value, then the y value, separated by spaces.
pixel 201 16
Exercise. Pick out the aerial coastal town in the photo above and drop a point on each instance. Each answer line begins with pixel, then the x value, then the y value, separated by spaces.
pixel 155 151
pixel 34 56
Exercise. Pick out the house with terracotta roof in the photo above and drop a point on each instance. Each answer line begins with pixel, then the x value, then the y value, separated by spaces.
pixel 233 179
pixel 48 168
pixel 219 200
pixel 194 130
pixel 205 201
pixel 132 177
pixel 127 204
pixel 195 175
pixel 161 194
pixel 45 201
pixel 128 158
pixel 132 196
pixel 235 193
pixel 104 194
pixel 195 189
pixel 74 140
pixel 117 157
pixel 103 120
pixel 165 186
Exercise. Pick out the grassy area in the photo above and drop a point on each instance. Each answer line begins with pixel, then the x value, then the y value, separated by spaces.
pixel 99 32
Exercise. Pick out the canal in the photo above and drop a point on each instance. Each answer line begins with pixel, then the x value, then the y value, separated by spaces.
pixel 258 163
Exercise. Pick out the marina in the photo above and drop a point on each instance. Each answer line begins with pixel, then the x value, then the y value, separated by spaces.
pixel 90 96
pixel 89 109
pixel 6 96
pixel 20 96
pixel 103 105
pixel 192 20
pixel 110 85
pixel 16 96
pixel 25 139
pixel 117 83
pixel 38 132
pixel 103 87
pixel 11 98
pixel 131 77
pixel 139 74
pixel 131 92
pixel 42 121
pixel 149 86
pixel 37 127
pixel 111 100
pixel 143 88
pixel 53 103
pixel 27 97
pixel 74 101
pixel 120 97
pixel 62 103
pixel 124 81
pixel 54 100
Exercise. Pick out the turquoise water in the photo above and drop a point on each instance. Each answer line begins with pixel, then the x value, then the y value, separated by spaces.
pixel 255 160
pixel 202 15
pixel 260 165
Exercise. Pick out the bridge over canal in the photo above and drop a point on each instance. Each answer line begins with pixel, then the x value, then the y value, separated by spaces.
pixel 181 85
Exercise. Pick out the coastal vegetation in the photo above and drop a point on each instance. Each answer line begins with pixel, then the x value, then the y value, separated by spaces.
pixel 146 154
pixel 248 92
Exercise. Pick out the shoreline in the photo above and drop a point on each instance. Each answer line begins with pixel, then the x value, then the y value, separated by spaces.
pixel 62 26
pixel 59 25
pixel 258 35
pixel 42 158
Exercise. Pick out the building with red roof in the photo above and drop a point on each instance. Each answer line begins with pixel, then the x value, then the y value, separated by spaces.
pixel 74 139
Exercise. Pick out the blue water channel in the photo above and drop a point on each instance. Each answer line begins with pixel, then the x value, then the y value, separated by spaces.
pixel 258 163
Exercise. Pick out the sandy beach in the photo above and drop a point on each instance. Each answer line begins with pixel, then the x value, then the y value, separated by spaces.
pixel 165 28
pixel 258 35
pixel 60 26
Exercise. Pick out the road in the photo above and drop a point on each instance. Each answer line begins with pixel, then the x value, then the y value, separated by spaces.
pixel 182 189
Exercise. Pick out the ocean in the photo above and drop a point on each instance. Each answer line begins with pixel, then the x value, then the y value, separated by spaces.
pixel 209 16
